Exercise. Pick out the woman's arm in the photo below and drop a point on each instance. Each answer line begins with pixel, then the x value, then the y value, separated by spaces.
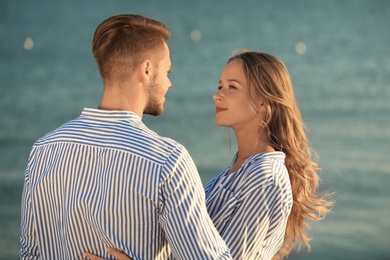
pixel 256 228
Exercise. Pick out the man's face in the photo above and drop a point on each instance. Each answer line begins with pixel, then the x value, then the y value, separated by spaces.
pixel 159 85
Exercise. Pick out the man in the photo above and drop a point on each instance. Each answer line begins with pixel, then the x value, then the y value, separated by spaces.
pixel 104 179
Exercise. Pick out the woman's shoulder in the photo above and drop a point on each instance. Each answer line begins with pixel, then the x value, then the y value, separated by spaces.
pixel 267 157
pixel 265 163
pixel 264 169
pixel 267 171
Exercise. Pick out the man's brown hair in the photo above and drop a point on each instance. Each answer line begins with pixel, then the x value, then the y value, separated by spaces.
pixel 122 41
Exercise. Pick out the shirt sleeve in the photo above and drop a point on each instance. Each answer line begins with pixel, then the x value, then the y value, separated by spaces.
pixel 184 218
pixel 29 248
pixel 255 229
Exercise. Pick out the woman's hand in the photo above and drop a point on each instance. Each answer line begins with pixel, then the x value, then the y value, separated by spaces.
pixel 111 251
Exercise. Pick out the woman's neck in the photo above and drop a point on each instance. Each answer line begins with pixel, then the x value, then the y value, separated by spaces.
pixel 251 143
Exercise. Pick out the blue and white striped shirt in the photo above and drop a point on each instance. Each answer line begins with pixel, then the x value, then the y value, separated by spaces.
pixel 250 208
pixel 105 180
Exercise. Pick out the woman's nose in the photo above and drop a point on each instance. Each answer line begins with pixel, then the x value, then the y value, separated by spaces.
pixel 217 96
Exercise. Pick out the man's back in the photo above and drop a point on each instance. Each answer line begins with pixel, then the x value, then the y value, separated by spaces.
pixel 106 180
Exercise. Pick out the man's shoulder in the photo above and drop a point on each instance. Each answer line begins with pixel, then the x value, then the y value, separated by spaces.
pixel 129 136
pixel 163 145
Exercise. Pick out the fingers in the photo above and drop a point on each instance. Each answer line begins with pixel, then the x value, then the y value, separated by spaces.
pixel 92 256
pixel 117 254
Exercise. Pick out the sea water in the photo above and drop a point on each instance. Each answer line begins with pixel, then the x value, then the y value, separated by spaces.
pixel 338 55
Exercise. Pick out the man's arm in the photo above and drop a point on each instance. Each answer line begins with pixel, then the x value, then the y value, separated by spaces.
pixel 29 248
pixel 184 217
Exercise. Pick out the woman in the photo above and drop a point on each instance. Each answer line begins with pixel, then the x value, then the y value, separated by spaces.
pixel 263 202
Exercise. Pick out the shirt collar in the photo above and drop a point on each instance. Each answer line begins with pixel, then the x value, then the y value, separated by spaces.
pixel 109 115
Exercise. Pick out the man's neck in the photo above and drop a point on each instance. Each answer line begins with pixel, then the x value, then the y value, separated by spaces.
pixel 117 99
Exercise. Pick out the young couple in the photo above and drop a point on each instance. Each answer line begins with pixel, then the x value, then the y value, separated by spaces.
pixel 104 180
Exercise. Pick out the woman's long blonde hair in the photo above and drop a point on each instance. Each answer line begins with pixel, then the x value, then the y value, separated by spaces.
pixel 269 79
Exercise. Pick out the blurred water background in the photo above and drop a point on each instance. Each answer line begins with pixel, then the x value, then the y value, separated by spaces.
pixel 338 54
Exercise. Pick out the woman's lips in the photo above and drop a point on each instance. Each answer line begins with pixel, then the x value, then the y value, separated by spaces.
pixel 220 109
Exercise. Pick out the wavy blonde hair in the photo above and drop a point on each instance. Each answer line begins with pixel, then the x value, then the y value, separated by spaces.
pixel 269 79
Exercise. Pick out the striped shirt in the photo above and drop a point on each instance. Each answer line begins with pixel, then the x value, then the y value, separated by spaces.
pixel 250 207
pixel 105 180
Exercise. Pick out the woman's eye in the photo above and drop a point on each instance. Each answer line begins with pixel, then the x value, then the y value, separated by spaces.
pixel 219 87
pixel 231 86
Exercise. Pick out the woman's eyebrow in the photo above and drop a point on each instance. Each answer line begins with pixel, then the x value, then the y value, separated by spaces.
pixel 231 80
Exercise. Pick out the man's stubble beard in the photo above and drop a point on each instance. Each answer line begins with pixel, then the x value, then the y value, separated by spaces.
pixel 154 106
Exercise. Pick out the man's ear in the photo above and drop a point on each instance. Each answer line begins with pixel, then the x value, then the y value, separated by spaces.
pixel 145 70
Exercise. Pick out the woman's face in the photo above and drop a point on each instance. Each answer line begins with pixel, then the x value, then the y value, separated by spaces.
pixel 232 99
